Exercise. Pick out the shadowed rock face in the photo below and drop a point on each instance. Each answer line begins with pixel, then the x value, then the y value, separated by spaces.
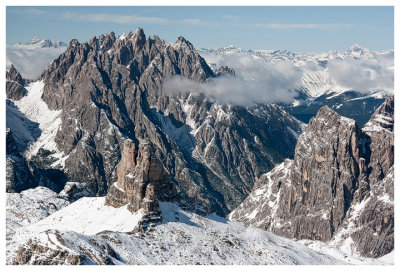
pixel 18 175
pixel 110 90
pixel 339 185
pixel 14 85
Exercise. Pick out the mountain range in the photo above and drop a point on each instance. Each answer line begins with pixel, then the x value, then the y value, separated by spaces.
pixel 343 80
pixel 157 170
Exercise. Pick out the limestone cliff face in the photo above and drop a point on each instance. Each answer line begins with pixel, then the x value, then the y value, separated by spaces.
pixel 14 85
pixel 110 90
pixel 338 188
pixel 324 174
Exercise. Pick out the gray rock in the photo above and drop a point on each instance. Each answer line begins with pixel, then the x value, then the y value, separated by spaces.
pixel 225 71
pixel 14 85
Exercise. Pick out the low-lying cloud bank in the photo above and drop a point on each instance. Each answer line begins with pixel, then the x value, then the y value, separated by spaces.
pixel 363 75
pixel 31 62
pixel 258 80
pixel 255 82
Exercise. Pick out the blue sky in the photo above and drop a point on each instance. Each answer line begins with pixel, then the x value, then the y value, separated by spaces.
pixel 300 29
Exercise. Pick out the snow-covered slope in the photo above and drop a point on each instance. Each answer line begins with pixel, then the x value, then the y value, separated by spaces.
pixel 88 232
pixel 33 57
pixel 93 217
pixel 31 206
pixel 318 83
pixel 33 124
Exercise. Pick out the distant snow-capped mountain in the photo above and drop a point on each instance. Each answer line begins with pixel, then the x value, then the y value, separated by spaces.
pixel 35 43
pixel 298 59
pixel 32 58
pixel 339 79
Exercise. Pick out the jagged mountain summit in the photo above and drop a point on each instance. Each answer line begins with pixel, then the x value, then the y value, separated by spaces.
pixel 338 188
pixel 108 90
pixel 14 85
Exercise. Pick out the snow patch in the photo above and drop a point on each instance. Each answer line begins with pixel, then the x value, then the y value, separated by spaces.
pixel 36 110
pixel 89 216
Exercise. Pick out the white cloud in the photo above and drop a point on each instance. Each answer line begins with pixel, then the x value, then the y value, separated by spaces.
pixel 31 62
pixel 29 11
pixel 192 21
pixel 231 18
pixel 130 19
pixel 255 82
pixel 112 18
pixel 363 75
pixel 303 26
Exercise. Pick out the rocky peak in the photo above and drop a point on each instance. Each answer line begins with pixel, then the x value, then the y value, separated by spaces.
pixel 139 38
pixel 356 48
pixel 326 167
pixel 143 59
pixel 225 71
pixel 73 43
pixel 182 41
pixel 14 75
pixel 383 118
pixel 14 84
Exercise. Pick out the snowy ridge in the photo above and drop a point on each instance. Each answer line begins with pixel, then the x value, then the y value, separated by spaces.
pixel 36 43
pixel 299 59
pixel 36 110
pixel 97 234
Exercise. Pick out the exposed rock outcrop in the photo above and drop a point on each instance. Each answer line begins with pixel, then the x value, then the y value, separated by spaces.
pixel 14 84
pixel 225 71
pixel 338 188
pixel 74 191
pixel 141 180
